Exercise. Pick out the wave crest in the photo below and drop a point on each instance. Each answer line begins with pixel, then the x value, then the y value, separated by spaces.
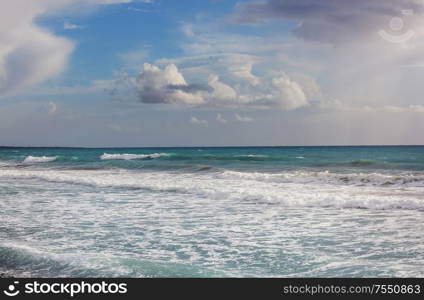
pixel 39 159
pixel 290 189
pixel 327 177
pixel 127 156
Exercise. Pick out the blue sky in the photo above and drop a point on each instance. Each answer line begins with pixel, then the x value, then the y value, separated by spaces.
pixel 214 73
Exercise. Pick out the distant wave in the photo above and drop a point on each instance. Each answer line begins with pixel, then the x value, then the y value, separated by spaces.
pixel 359 163
pixel 39 159
pixel 126 156
pixel 170 156
pixel 223 157
pixel 365 162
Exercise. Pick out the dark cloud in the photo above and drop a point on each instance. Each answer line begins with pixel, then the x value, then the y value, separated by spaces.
pixel 331 20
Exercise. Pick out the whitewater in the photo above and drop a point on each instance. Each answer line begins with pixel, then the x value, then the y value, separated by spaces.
pixel 212 212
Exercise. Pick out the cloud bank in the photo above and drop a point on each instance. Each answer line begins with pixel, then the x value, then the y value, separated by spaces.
pixel 154 85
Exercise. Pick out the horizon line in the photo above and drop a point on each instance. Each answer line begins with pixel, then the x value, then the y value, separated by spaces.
pixel 266 146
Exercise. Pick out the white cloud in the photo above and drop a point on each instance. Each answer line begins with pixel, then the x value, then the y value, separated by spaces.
pixel 221 92
pixel 169 86
pixel 194 120
pixel 242 119
pixel 220 119
pixel 187 29
pixel 334 52
pixel 401 109
pixel 154 85
pixel 70 26
pixel 337 105
pixel 52 108
pixel 287 94
pixel 241 66
pixel 139 9
pixel 30 54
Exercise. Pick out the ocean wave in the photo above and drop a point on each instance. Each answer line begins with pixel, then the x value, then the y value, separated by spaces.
pixel 39 159
pixel 365 162
pixel 173 156
pixel 292 189
pixel 6 164
pixel 319 177
pixel 221 157
pixel 25 261
pixel 20 260
pixel 127 156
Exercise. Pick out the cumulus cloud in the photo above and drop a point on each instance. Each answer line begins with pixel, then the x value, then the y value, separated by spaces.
pixel 52 108
pixel 220 119
pixel 221 92
pixel 287 93
pixel 30 54
pixel 155 85
pixel 241 66
pixel 360 51
pixel 242 119
pixel 194 120
pixel 168 86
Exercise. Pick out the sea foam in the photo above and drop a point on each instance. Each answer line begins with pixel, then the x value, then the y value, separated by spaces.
pixel 126 156
pixel 239 188
pixel 39 159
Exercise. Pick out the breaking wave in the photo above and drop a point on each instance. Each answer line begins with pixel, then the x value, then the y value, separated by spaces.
pixel 39 159
pixel 305 189
pixel 319 177
pixel 126 156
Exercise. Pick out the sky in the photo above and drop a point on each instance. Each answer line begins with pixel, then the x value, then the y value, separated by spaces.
pixel 146 73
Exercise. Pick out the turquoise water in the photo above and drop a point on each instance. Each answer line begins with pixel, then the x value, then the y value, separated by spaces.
pixel 212 212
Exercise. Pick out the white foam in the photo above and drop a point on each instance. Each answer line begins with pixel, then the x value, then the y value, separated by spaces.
pixel 6 164
pixel 239 187
pixel 39 159
pixel 403 179
pixel 126 156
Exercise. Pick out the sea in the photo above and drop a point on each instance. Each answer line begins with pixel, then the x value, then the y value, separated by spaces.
pixel 212 212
